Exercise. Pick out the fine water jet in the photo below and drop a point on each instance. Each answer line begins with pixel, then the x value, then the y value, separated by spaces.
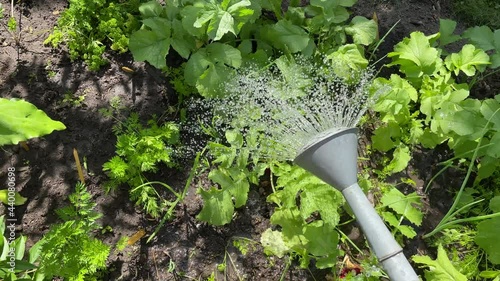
pixel 314 126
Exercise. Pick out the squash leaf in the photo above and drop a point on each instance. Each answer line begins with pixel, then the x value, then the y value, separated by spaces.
pixel 441 268
pixel 21 120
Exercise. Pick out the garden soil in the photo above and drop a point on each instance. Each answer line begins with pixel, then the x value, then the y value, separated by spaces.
pixel 185 248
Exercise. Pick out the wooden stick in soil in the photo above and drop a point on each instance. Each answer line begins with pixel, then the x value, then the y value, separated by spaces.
pixel 78 166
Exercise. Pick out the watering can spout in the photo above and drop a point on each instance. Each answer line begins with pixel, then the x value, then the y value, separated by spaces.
pixel 332 157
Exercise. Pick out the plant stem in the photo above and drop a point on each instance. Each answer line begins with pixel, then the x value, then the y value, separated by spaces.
pixel 445 222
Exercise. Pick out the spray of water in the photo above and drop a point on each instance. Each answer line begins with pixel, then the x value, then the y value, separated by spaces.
pixel 290 112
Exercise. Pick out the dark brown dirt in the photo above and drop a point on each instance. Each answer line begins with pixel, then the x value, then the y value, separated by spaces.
pixel 185 249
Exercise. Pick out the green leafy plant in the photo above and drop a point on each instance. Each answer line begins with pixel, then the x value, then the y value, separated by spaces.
pixel 428 105
pixel 87 27
pixel 450 219
pixel 401 207
pixel 440 268
pixel 69 249
pixel 13 265
pixel 307 213
pixel 11 27
pixel 21 120
pixel 232 177
pixel 216 37
pixel 73 100
pixel 139 150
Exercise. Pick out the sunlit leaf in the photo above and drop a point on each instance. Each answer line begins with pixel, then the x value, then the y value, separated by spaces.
pixel 218 207
pixel 441 268
pixel 21 120
pixel 488 236
pixel 405 205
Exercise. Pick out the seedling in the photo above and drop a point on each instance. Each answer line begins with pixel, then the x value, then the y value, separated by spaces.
pixel 73 100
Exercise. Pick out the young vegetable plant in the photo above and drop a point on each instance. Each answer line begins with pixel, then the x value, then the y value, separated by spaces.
pixel 140 150
pixel 70 250
pixel 429 106
pixel 235 170
pixel 307 212
pixel 87 27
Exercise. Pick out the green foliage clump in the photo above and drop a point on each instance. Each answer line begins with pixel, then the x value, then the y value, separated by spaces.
pixel 139 150
pixel 13 265
pixel 308 210
pixel 69 249
pixel 217 37
pixel 429 103
pixel 235 169
pixel 87 27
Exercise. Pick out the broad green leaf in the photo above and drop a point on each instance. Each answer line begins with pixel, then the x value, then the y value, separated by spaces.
pixel 467 60
pixel 446 29
pixel 391 219
pixel 487 167
pixel 495 204
pixel 197 64
pixel 182 42
pixel 348 59
pixel 218 206
pixel 490 109
pixel 291 225
pixel 465 123
pixel 21 120
pixel 415 56
pixel 382 138
pixel 189 15
pixel 322 239
pixel 323 199
pixel 400 159
pixel 332 11
pixel 405 205
pixel 232 181
pixel 488 237
pixel 481 36
pixel 288 37
pixel 204 17
pixel 150 9
pixel 234 138
pixel 346 3
pixel 273 243
pixel 20 243
pixel 150 46
pixel 394 104
pixel 218 28
pixel 362 30
pixel 18 199
pixel 207 69
pixel 441 268
pixel 210 83
pixel 159 25
pixel 224 54
pixel 494 149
